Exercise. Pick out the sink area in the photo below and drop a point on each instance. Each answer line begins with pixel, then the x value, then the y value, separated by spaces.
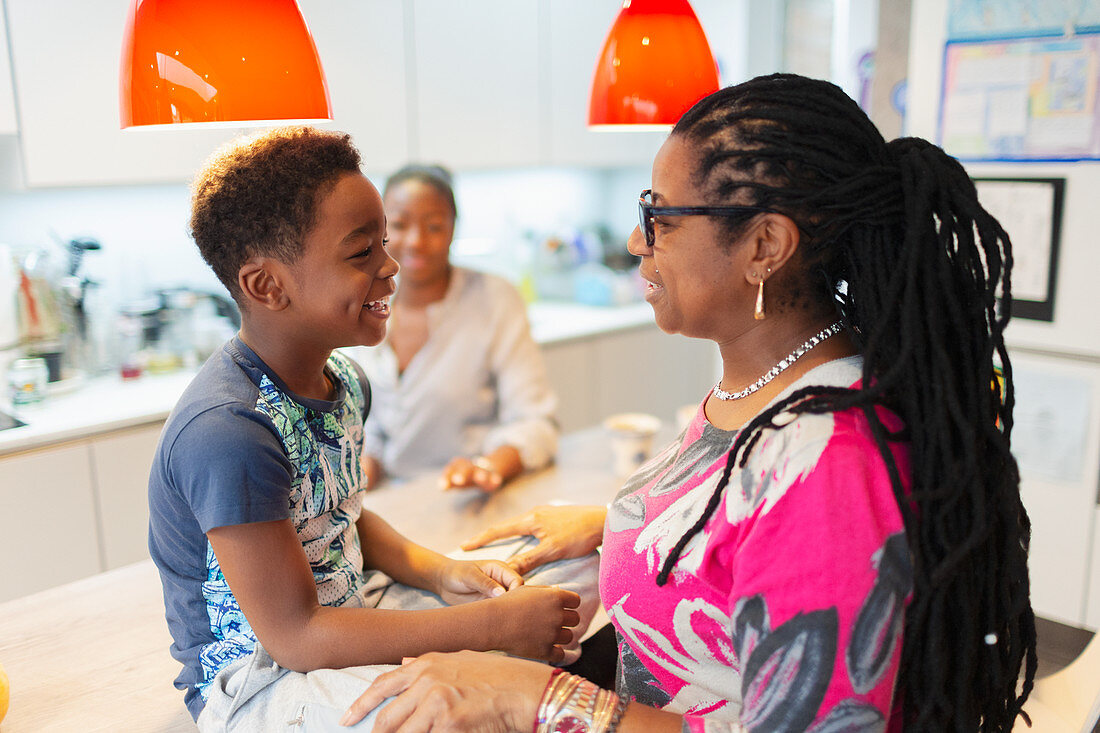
pixel 8 421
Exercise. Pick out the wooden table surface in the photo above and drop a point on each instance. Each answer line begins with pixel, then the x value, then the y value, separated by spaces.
pixel 93 655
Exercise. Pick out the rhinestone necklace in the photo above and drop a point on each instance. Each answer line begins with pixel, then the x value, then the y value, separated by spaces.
pixel 772 373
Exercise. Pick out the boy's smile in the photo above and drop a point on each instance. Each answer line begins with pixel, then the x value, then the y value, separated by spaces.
pixel 341 285
pixel 380 308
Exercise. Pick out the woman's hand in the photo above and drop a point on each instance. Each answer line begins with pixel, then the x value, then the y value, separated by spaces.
pixel 488 472
pixel 372 472
pixel 562 532
pixel 463 473
pixel 461 691
pixel 462 581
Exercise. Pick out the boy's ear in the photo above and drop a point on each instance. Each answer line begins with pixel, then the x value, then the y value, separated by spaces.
pixel 261 281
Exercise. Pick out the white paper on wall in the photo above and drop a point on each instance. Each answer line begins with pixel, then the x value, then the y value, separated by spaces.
pixel 1051 422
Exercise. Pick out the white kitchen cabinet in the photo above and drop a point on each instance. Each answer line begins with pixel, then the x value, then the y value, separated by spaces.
pixel 477 84
pixel 120 467
pixel 569 365
pixel 362 48
pixel 575 31
pixel 49 527
pixel 11 168
pixel 1092 608
pixel 8 123
pixel 66 76
pixel 503 85
pixel 74 509
pixel 67 82
pixel 648 370
pixel 633 370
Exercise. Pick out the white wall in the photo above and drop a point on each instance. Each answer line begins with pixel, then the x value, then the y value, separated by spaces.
pixel 143 229
pixel 1074 330
pixel 1059 362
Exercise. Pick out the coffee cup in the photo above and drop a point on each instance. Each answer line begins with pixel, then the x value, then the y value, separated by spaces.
pixel 631 440
pixel 684 416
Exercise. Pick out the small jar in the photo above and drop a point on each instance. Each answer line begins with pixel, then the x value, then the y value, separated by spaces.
pixel 27 380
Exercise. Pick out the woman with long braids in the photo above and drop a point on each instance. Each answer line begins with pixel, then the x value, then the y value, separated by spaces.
pixel 836 542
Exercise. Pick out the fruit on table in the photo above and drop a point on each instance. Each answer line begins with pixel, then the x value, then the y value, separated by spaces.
pixel 5 691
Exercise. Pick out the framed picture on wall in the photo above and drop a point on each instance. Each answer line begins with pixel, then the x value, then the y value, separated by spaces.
pixel 1030 210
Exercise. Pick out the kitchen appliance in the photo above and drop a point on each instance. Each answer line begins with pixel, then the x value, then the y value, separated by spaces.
pixel 173 328
pixel 50 320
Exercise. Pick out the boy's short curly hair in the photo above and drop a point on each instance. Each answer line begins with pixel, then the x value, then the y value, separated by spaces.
pixel 258 196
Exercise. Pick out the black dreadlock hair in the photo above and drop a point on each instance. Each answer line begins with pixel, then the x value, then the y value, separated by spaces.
pixel 896 237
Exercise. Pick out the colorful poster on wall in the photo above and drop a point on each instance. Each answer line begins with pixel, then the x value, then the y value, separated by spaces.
pixel 974 19
pixel 1022 99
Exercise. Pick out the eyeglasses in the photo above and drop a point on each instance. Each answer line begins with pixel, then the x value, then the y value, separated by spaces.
pixel 646 212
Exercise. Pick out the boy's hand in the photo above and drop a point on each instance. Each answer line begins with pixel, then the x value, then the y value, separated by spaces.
pixel 462 581
pixel 535 621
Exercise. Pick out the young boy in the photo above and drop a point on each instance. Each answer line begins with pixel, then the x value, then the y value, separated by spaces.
pixel 270 567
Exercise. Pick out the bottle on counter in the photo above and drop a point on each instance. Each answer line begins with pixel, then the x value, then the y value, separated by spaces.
pixel 130 335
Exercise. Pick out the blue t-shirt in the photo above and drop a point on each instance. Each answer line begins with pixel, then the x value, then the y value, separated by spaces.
pixel 239 447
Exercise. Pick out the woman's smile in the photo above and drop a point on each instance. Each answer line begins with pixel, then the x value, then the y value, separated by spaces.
pixel 653 290
pixel 415 262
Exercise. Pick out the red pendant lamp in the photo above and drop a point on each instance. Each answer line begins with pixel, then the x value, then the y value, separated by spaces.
pixel 655 64
pixel 230 61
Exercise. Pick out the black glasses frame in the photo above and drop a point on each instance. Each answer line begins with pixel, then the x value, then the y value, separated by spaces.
pixel 646 212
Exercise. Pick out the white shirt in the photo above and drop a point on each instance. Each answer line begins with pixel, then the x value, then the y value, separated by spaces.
pixel 478 383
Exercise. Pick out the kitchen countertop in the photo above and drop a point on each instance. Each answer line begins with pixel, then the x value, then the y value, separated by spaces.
pixel 95 406
pixel 553 322
pixel 107 403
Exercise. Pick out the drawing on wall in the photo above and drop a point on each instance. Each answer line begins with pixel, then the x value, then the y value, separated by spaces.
pixel 1030 210
pixel 1022 99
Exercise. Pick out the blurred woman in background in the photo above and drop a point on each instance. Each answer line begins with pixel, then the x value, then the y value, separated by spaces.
pixel 459 385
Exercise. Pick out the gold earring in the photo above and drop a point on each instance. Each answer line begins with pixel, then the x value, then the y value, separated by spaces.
pixel 758 313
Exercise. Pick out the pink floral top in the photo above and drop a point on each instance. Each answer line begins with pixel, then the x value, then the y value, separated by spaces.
pixel 785 612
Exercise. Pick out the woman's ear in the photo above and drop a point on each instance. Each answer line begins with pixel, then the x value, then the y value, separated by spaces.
pixel 776 240
pixel 261 282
